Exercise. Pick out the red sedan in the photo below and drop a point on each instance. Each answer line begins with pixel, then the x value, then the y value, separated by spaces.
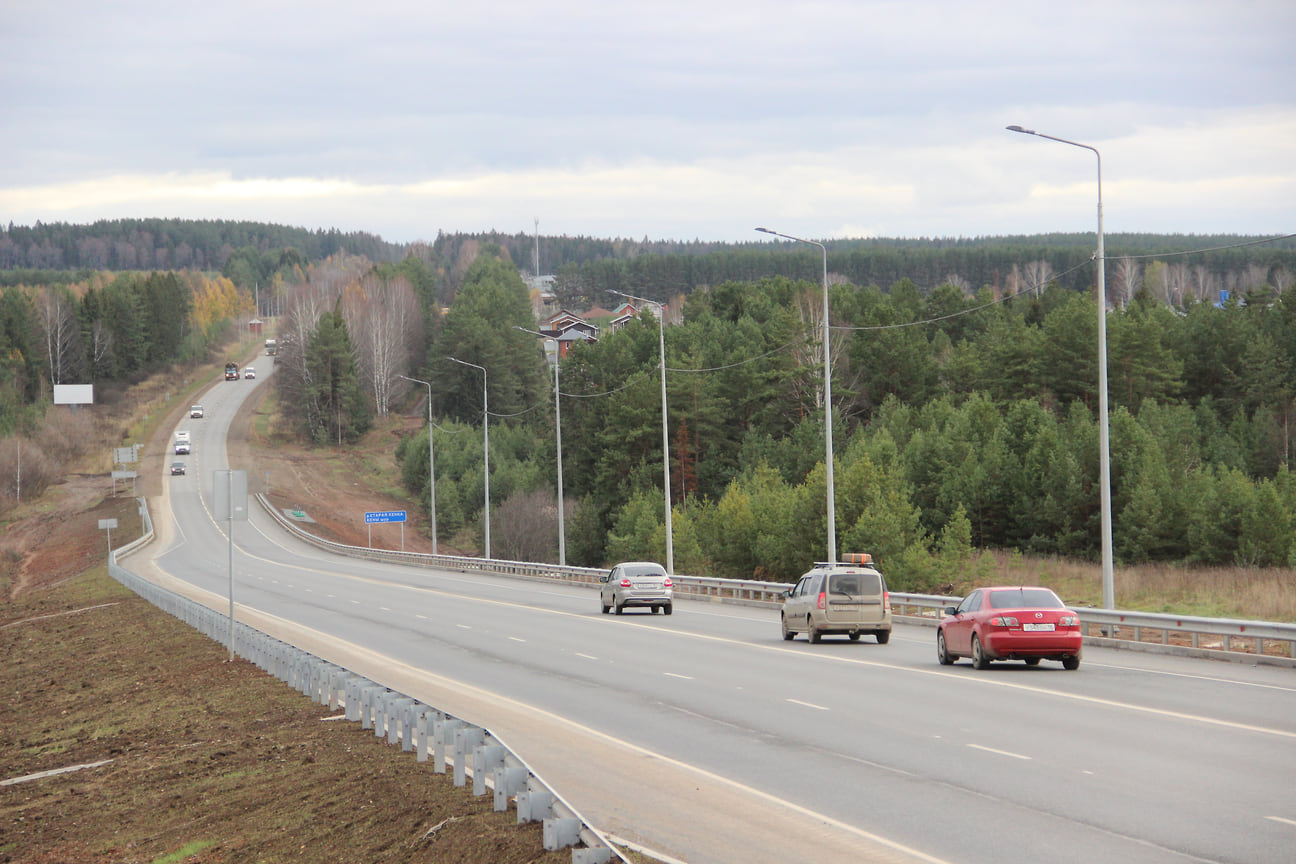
pixel 1029 624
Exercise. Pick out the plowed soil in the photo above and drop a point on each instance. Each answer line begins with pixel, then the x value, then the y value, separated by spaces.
pixel 193 758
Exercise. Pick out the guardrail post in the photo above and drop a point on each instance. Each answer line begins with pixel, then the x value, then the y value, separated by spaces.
pixel 508 779
pixel 592 855
pixel 486 758
pixel 561 833
pixel 422 728
pixel 366 707
pixel 442 738
pixel 465 738
pixel 534 803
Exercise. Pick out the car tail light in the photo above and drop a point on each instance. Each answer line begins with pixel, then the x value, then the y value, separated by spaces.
pixel 886 601
pixel 823 600
pixel 1069 621
pixel 668 583
pixel 1003 621
pixel 625 583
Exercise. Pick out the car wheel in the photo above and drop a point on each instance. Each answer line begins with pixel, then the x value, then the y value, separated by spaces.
pixel 1032 661
pixel 812 632
pixel 788 635
pixel 654 610
pixel 606 607
pixel 620 607
pixel 979 658
pixel 883 636
pixel 1070 663
pixel 942 653
pixel 854 637
pixel 668 608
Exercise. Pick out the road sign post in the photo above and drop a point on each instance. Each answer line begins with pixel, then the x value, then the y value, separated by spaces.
pixel 378 517
pixel 108 525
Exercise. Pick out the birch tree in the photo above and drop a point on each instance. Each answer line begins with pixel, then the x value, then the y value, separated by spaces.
pixel 62 332
pixel 382 317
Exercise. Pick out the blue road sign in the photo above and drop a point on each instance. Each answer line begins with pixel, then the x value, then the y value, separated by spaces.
pixel 384 516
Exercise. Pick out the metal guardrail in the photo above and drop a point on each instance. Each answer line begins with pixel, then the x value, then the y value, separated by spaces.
pixel 467 749
pixel 1223 638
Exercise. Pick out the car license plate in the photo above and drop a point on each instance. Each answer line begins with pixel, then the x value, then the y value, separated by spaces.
pixel 1038 627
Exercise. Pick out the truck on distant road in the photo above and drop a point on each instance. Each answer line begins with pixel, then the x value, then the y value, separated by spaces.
pixel 231 371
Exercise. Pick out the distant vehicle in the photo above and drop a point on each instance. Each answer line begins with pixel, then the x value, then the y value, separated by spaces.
pixel 231 372
pixel 846 598
pixel 637 583
pixel 182 448
pixel 177 468
pixel 182 435
pixel 249 372
pixel 1029 624
pixel 272 347
pixel 196 411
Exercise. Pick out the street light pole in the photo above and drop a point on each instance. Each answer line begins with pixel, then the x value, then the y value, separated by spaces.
pixel 431 464
pixel 562 529
pixel 1104 443
pixel 485 449
pixel 661 345
pixel 828 439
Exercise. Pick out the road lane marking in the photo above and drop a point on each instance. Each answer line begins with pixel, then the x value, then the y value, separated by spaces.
pixel 1282 820
pixel 586 656
pixel 1000 752
pixel 674 675
pixel 807 704
pixel 516 639
pixel 383 609
pixel 981 680
pixel 420 617
pixel 464 689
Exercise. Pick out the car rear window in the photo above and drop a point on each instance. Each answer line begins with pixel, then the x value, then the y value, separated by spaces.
pixel 855 583
pixel 1025 598
pixel 645 571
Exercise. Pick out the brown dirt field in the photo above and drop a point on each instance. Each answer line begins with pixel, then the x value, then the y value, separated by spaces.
pixel 205 760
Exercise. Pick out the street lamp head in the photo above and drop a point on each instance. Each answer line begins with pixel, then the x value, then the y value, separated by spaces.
pixel 765 231
pixel 1021 130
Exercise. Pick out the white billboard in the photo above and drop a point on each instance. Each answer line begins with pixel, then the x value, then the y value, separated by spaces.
pixel 73 394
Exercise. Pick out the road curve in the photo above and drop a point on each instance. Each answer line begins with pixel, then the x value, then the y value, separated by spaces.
pixel 708 738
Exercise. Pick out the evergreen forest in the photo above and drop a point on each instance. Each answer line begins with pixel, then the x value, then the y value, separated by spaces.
pixel 964 392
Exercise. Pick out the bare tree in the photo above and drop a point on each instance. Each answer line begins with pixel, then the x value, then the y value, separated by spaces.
pixel 1177 278
pixel 383 318
pixel 1204 284
pixel 306 303
pixel 1036 275
pixel 1127 279
pixel 964 287
pixel 57 312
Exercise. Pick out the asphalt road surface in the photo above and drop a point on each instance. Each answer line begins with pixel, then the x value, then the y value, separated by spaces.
pixel 705 737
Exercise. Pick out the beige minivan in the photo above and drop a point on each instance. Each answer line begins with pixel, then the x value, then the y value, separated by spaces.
pixel 847 598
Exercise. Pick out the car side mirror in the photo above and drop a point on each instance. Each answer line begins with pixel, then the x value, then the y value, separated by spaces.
pixel 951 610
pixel 787 593
pixel 604 577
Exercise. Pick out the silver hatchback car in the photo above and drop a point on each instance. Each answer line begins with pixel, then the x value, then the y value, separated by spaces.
pixel 637 583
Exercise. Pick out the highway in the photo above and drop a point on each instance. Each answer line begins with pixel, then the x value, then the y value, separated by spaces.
pixel 705 737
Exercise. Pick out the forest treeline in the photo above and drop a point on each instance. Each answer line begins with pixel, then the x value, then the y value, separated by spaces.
pixel 964 389
pixel 963 422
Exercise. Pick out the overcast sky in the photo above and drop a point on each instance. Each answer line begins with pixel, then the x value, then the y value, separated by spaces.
pixel 668 119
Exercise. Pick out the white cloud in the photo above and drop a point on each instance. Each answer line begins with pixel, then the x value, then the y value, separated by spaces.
pixel 667 119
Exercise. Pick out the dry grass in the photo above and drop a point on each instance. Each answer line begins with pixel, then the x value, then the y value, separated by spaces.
pixel 1213 592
